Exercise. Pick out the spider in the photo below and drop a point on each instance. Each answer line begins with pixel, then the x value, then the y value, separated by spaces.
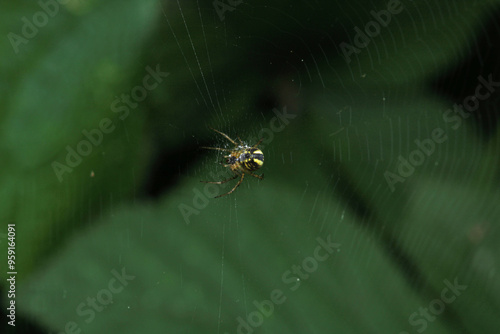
pixel 242 159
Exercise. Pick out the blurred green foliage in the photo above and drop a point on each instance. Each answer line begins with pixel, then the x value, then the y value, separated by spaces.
pixel 120 207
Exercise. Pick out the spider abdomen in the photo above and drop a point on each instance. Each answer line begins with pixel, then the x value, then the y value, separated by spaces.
pixel 252 159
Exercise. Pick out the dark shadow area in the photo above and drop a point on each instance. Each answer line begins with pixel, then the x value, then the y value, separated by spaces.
pixel 461 80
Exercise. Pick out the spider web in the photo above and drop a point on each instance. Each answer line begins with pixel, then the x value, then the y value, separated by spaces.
pixel 344 142
pixel 359 160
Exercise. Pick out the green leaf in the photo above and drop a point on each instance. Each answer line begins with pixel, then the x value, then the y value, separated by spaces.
pixel 202 276
pixel 63 84
pixel 438 215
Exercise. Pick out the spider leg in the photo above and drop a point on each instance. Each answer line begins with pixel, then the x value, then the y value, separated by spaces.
pixel 221 182
pixel 260 141
pixel 217 148
pixel 226 136
pixel 260 177
pixel 236 186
